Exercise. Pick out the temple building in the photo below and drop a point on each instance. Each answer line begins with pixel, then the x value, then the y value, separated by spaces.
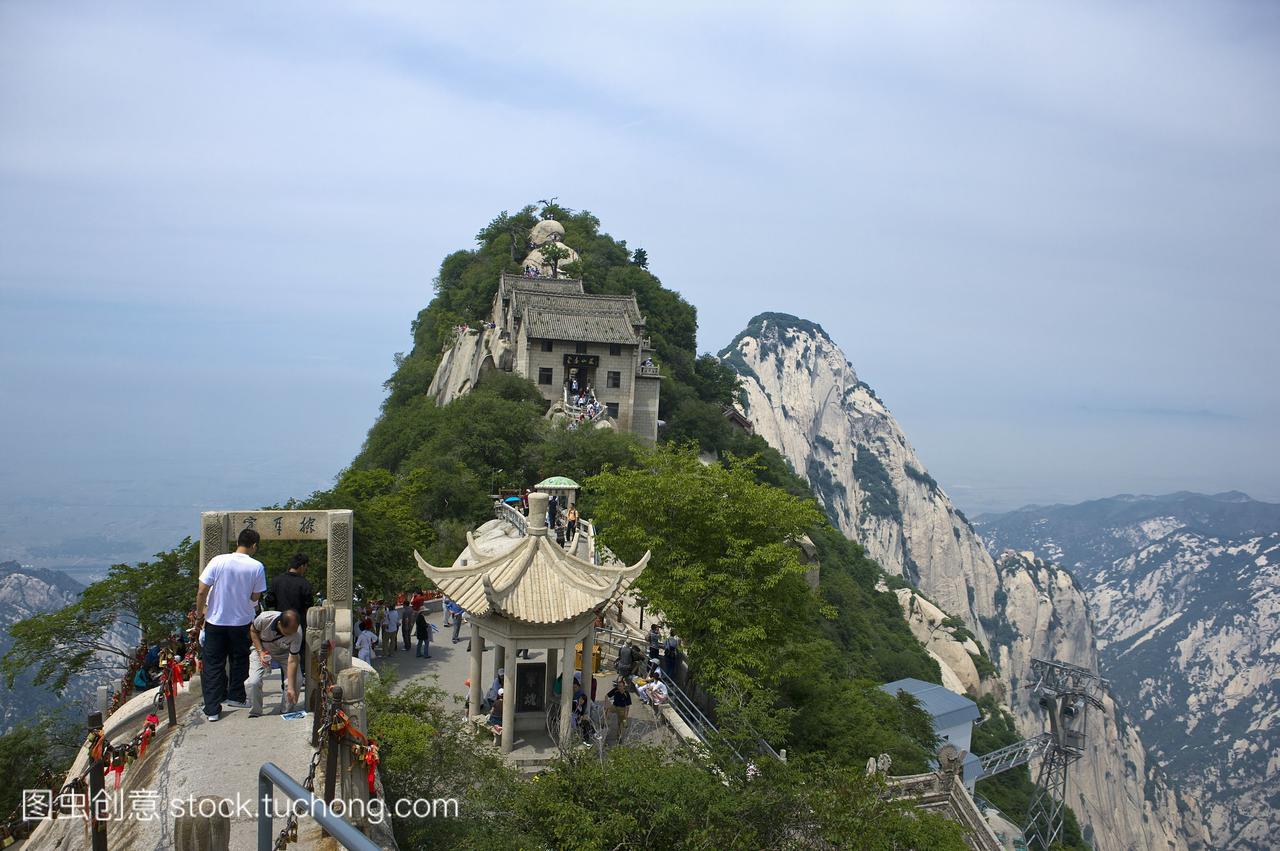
pixel 547 329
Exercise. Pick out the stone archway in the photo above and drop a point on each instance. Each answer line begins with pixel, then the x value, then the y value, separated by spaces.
pixel 219 529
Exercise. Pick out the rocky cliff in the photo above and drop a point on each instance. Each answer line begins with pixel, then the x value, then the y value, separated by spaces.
pixel 25 592
pixel 803 396
pixel 1185 595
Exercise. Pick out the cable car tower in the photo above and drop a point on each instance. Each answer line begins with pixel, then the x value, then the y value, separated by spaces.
pixel 1064 693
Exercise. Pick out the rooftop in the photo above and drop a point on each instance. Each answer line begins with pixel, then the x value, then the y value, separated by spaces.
pixel 947 708
pixel 535 581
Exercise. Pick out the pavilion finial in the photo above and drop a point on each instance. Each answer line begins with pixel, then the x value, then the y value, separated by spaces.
pixel 537 513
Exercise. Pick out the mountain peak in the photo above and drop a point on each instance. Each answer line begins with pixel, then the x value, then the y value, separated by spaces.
pixel 771 324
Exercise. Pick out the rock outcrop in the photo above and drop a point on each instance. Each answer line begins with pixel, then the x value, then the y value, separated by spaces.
pixel 1185 595
pixel 803 396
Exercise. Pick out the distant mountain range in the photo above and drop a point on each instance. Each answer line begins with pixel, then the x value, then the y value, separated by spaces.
pixel 802 395
pixel 1184 592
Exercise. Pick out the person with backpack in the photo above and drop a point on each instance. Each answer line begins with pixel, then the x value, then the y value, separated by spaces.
pixel 626 664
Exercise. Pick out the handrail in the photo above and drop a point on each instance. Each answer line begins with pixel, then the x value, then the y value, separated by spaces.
pixel 502 511
pixel 272 775
pixel 1011 756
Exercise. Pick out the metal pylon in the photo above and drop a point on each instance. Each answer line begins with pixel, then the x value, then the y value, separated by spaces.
pixel 1065 693
pixel 1044 814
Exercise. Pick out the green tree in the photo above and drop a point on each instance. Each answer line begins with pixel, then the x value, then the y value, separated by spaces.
pixel 725 569
pixel 640 257
pixel 553 253
pixel 148 601
pixel 33 756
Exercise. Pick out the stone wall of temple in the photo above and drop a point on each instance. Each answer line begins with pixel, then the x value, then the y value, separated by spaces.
pixel 644 421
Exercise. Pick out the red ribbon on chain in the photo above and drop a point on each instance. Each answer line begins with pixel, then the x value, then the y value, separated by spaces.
pixel 175 675
pixel 371 760
pixel 147 732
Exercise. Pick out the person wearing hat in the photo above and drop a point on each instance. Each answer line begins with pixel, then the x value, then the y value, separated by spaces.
pixel 495 713
pixel 619 704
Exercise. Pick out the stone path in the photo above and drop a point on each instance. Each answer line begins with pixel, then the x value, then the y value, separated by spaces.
pixel 193 760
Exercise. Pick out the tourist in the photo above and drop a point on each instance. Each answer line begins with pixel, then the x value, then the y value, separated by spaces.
pixel 524 501
pixel 366 641
pixel 448 611
pixel 406 621
pixel 655 641
pixel 572 522
pixel 620 704
pixel 654 692
pixel 552 511
pixel 416 601
pixel 292 590
pixel 627 658
pixel 496 686
pixel 230 585
pixel 422 631
pixel 391 626
pixel 495 712
pixel 579 717
pixel 277 638
pixel 457 612
pixel 671 655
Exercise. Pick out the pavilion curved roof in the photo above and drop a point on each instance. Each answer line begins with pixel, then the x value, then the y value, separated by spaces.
pixel 535 581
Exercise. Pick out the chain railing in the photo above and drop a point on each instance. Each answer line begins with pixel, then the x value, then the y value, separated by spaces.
pixel 332 731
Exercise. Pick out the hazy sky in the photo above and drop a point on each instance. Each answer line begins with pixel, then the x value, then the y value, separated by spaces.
pixel 1048 235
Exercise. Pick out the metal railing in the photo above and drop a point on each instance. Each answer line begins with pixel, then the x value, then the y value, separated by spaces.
pixel 273 776
pixel 503 511
pixel 1014 755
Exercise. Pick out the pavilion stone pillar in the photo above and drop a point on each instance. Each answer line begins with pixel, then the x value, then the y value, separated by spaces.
pixel 215 537
pixel 341 566
pixel 552 658
pixel 509 707
pixel 477 660
pixel 499 657
pixel 566 694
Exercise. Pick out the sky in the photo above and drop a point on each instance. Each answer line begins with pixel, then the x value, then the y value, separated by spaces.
pixel 1045 233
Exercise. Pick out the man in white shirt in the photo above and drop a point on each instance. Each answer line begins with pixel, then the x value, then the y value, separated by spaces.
pixel 276 637
pixel 230 585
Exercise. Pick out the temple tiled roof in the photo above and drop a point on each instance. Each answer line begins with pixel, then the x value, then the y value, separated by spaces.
pixel 535 581
pixel 572 302
pixel 551 324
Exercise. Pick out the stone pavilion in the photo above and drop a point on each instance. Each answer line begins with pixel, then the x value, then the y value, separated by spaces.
pixel 530 594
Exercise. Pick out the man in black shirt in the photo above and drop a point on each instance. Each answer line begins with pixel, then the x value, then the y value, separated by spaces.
pixel 293 591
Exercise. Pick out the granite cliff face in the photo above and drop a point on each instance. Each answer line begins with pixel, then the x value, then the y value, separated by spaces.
pixel 1185 594
pixel 802 396
pixel 25 592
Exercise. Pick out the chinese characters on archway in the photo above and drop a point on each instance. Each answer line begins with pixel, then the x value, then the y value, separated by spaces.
pixel 281 525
